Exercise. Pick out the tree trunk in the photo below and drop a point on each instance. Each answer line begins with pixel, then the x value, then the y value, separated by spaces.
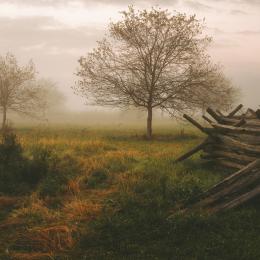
pixel 4 118
pixel 149 123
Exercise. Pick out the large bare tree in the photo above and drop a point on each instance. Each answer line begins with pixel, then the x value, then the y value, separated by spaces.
pixel 153 59
pixel 18 90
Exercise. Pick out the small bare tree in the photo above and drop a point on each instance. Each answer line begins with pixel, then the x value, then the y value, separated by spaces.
pixel 153 59
pixel 18 91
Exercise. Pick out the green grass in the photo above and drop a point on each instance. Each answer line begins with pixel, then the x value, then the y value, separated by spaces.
pixel 110 194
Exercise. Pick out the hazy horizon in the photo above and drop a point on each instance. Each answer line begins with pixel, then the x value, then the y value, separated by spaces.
pixel 54 34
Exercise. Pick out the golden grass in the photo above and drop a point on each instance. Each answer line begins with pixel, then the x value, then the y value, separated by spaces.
pixel 56 230
pixel 31 256
pixel 81 210
pixel 131 154
pixel 127 181
pixel 51 239
pixel 35 209
pixel 73 186
pixel 64 142
pixel 102 161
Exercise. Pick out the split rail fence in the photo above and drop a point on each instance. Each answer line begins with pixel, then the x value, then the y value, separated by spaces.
pixel 233 141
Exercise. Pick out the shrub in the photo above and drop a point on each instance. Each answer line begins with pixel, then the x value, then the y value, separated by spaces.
pixel 19 174
pixel 13 166
pixel 10 149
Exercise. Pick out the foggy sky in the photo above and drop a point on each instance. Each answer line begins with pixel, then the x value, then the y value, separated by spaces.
pixel 55 33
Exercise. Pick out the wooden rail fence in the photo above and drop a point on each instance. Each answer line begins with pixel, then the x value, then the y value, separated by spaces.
pixel 233 141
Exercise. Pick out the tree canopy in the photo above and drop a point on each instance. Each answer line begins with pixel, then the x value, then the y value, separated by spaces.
pixel 153 59
pixel 18 91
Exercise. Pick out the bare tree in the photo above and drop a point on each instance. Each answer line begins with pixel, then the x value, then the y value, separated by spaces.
pixel 153 59
pixel 18 91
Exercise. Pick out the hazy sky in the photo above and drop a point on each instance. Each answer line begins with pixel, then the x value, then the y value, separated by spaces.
pixel 55 33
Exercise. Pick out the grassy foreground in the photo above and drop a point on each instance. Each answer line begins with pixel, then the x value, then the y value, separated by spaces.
pixel 110 194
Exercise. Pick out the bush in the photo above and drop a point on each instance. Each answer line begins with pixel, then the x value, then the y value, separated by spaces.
pixel 10 149
pixel 45 169
pixel 13 166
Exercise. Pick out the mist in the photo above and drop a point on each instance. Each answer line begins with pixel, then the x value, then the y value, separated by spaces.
pixel 54 34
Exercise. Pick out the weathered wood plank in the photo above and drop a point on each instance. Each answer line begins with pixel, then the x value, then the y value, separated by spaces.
pixel 236 129
pixel 231 155
pixel 213 114
pixel 207 119
pixel 232 178
pixel 230 191
pixel 240 123
pixel 220 113
pixel 238 200
pixel 229 164
pixel 191 152
pixel 195 123
pixel 252 123
pixel 232 113
pixel 258 113
pixel 235 144
pixel 250 114
pixel 248 139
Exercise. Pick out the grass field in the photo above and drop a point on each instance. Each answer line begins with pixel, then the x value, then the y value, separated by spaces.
pixel 87 193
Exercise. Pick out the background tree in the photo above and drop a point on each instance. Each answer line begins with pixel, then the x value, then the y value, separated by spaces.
pixel 153 59
pixel 18 90
pixel 54 98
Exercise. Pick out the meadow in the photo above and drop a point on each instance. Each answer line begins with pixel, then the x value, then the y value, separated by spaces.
pixel 108 193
